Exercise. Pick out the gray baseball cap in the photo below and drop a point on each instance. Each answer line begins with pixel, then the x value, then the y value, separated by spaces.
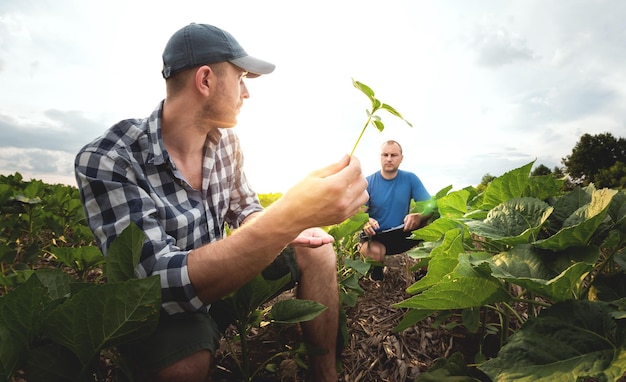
pixel 203 44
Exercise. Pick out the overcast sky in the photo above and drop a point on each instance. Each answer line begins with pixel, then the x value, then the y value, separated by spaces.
pixel 488 85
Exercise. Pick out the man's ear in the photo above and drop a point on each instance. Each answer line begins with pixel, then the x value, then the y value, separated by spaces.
pixel 203 79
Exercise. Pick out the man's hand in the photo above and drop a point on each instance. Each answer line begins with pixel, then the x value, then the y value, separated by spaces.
pixel 312 238
pixel 414 221
pixel 370 227
pixel 326 196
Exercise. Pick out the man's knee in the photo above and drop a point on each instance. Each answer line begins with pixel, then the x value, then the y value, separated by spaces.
pixel 373 250
pixel 318 258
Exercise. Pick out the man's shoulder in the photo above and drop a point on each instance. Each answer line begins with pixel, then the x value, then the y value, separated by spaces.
pixel 118 135
pixel 407 174
pixel 127 132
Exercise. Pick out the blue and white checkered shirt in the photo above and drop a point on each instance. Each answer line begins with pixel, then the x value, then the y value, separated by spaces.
pixel 127 175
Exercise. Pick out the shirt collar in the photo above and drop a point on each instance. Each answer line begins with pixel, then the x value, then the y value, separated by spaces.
pixel 157 153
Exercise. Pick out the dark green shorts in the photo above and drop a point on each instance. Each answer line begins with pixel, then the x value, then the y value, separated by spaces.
pixel 181 335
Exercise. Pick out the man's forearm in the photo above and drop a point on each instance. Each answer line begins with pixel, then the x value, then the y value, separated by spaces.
pixel 223 266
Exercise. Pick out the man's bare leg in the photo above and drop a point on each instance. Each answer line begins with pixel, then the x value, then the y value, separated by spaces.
pixel 195 367
pixel 319 283
pixel 373 250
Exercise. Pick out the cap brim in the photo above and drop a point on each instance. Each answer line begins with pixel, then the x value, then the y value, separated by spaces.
pixel 254 66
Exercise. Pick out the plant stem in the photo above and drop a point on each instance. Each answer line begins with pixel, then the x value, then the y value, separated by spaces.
pixel 362 131
pixel 245 369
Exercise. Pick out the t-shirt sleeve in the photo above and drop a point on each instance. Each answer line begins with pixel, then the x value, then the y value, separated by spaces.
pixel 418 190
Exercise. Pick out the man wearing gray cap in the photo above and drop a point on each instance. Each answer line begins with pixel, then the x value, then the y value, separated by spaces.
pixel 178 174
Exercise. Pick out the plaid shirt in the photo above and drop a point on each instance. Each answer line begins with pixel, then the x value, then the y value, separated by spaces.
pixel 127 175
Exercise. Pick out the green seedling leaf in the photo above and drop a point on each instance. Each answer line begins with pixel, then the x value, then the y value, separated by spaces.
pixel 373 119
pixel 365 89
pixel 349 226
pixel 26 200
pixel 295 311
pixel 451 369
pixel 79 258
pixel 411 318
pixel 357 264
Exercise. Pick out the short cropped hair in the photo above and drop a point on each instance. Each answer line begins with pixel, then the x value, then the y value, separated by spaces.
pixel 392 142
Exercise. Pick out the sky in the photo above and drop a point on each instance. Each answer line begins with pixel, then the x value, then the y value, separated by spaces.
pixel 489 86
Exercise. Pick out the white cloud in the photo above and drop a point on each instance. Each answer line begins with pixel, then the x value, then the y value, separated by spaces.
pixel 488 86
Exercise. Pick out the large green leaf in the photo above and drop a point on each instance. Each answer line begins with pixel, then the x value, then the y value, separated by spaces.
pixel 106 315
pixel 20 321
pixel 543 187
pixel 295 310
pixel 436 230
pixel 567 205
pixel 79 258
pixel 348 226
pixel 443 260
pixel 524 267
pixel 617 209
pixel 13 352
pixel 515 221
pixel 249 297
pixel 467 286
pixel 57 282
pixel 454 204
pixel 569 341
pixel 412 317
pixel 358 265
pixel 582 224
pixel 451 369
pixel 508 186
pixel 52 362
pixel 124 253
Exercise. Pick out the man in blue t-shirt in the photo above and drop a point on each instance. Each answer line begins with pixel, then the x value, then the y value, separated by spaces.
pixel 390 223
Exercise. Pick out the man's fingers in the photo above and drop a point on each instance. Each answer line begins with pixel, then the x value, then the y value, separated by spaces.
pixel 332 168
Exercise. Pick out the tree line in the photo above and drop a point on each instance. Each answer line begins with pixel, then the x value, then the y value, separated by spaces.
pixel 599 159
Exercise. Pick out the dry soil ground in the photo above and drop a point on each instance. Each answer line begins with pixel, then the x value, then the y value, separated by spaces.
pixel 375 352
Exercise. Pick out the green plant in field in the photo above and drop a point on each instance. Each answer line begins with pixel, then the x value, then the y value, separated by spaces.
pixel 55 328
pixel 547 264
pixel 373 119
pixel 245 307
pixel 350 268
pixel 37 219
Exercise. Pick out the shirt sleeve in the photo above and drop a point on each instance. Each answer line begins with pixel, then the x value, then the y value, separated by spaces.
pixel 114 195
pixel 418 190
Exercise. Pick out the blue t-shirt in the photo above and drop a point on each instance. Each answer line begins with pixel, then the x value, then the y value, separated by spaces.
pixel 390 200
